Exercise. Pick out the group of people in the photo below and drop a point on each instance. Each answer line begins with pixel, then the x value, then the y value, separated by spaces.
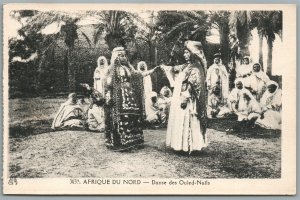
pixel 255 99
pixel 122 100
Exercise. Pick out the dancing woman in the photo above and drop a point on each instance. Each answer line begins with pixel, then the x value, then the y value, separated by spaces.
pixel 124 106
pixel 187 119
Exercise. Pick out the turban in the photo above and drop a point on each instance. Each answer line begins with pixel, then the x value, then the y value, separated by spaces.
pixel 193 46
pixel 118 49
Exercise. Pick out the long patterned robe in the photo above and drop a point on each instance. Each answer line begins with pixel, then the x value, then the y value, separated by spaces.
pixel 124 114
pixel 187 127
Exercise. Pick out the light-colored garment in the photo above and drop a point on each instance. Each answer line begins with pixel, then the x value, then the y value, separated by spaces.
pixel 217 76
pixel 68 115
pixel 164 102
pixel 100 74
pixel 185 130
pixel 248 110
pixel 272 100
pixel 152 114
pixel 239 106
pixel 271 105
pixel 243 69
pixel 156 115
pixel 257 81
pixel 147 85
pixel 215 107
pixel 236 94
pixel 95 118
pixel 271 120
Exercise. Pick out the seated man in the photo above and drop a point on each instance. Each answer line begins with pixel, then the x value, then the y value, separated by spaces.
pixel 244 68
pixel 247 108
pixel 217 75
pixel 214 102
pixel 69 115
pixel 256 81
pixel 248 111
pixel 271 107
pixel 216 108
pixel 236 93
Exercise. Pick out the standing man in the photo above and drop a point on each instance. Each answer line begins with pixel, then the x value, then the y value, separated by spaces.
pixel 217 76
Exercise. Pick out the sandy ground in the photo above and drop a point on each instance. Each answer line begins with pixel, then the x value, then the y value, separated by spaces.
pixel 36 151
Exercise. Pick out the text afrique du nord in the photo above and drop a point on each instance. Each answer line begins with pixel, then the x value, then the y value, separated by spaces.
pixel 92 181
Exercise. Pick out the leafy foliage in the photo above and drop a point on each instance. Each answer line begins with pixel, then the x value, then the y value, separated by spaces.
pixel 69 32
pixel 268 23
pixel 73 49
pixel 118 27
pixel 192 24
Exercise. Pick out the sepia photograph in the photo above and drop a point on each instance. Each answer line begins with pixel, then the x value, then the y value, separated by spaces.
pixel 131 100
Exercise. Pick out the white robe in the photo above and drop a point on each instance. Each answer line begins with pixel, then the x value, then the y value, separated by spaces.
pixel 164 102
pixel 68 115
pixel 96 120
pixel 271 105
pixel 212 78
pixel 184 130
pixel 99 77
pixel 243 69
pixel 147 84
pixel 258 82
pixel 248 110
pixel 244 111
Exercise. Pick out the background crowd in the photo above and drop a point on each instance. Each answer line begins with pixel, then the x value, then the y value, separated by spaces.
pixel 122 102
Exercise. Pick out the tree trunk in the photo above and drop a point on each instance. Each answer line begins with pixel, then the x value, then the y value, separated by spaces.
pixel 224 42
pixel 244 34
pixel 269 61
pixel 260 57
pixel 150 54
pixel 39 80
pixel 71 72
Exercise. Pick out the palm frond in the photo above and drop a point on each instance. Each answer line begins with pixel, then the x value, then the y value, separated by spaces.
pixel 98 33
pixel 86 37
pixel 180 26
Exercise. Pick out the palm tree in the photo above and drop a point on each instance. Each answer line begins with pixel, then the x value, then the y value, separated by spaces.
pixel 191 25
pixel 220 19
pixel 117 26
pixel 239 23
pixel 268 23
pixel 260 56
pixel 67 32
pixel 148 34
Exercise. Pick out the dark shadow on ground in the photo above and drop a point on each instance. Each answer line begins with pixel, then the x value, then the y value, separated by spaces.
pixel 226 124
pixel 28 128
pixel 34 127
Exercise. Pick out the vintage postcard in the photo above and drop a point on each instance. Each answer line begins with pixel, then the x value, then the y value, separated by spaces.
pixel 171 99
